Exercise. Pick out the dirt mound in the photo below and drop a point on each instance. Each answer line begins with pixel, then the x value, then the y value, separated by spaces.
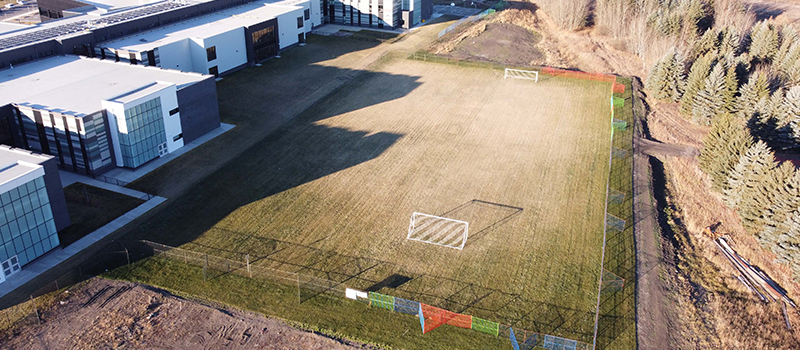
pixel 504 43
pixel 106 314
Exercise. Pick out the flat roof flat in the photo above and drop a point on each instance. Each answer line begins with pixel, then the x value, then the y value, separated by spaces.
pixel 205 26
pixel 8 27
pixel 76 85
pixel 81 24
pixel 18 166
pixel 116 4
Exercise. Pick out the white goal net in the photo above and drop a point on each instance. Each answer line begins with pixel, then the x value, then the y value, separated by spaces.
pixel 522 74
pixel 438 230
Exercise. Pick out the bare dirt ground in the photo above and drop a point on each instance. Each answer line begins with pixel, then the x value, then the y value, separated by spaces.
pixel 106 314
pixel 783 11
pixel 584 50
pixel 501 42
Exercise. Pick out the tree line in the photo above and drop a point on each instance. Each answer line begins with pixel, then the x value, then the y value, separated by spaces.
pixel 746 86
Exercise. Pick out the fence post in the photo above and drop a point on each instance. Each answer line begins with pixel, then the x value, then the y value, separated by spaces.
pixel 205 267
pixel 35 309
pixel 247 260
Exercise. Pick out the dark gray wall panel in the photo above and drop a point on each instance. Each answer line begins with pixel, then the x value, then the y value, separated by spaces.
pixel 56 194
pixel 199 109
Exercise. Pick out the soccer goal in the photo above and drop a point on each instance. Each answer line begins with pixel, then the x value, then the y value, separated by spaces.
pixel 522 74
pixel 438 230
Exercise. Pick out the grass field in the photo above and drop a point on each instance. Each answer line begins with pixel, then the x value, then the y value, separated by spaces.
pixel 330 194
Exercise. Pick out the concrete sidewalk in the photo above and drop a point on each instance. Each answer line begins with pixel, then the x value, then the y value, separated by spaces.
pixel 59 255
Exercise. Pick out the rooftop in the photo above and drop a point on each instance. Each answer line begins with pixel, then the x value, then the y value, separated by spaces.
pixel 205 26
pixel 8 27
pixel 76 85
pixel 79 24
pixel 18 166
pixel 116 4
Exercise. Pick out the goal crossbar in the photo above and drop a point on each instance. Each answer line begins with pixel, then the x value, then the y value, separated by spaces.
pixel 521 74
pixel 438 230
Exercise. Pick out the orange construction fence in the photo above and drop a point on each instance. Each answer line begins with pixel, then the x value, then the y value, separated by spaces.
pixel 435 317
pixel 615 87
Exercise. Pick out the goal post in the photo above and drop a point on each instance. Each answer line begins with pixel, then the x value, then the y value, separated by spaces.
pixel 522 74
pixel 438 230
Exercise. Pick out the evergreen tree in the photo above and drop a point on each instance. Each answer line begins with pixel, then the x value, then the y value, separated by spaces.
pixel 731 85
pixel 666 79
pixel 753 208
pixel 695 81
pixel 697 19
pixel 751 94
pixel 711 99
pixel 791 112
pixel 788 65
pixel 753 168
pixel 786 199
pixel 786 243
pixel 709 42
pixel 764 41
pixel 729 41
pixel 727 141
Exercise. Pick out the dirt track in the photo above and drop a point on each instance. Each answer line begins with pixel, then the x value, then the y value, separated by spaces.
pixel 105 314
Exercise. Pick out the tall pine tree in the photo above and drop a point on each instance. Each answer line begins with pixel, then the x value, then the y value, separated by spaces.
pixel 696 80
pixel 764 41
pixel 786 199
pixel 727 141
pixel 753 208
pixel 711 99
pixel 786 243
pixel 754 167
pixel 666 80
pixel 751 94
pixel 791 111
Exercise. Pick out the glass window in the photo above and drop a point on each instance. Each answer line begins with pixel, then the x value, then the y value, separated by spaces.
pixel 307 14
pixel 26 240
pixel 145 128
pixel 5 233
pixel 300 22
pixel 23 224
pixel 26 203
pixel 43 197
pixel 211 53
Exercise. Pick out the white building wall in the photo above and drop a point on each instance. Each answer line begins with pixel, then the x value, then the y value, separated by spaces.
pixel 316 14
pixel 172 123
pixel 115 112
pixel 287 28
pixel 231 51
pixel 176 56
pixel 197 51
